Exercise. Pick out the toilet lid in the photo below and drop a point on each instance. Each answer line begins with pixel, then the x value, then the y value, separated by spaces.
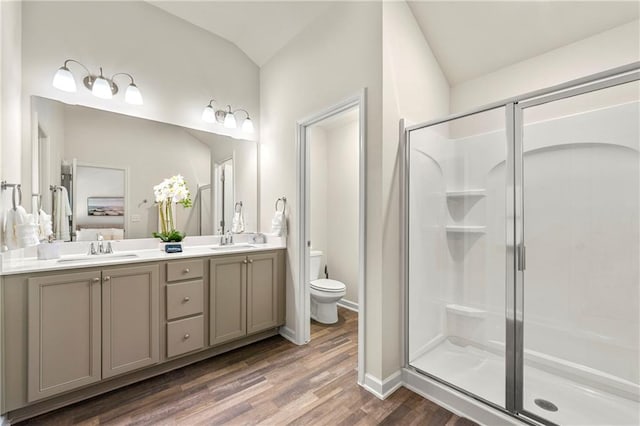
pixel 325 284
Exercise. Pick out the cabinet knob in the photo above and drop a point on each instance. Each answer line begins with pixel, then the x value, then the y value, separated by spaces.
pixel 250 260
pixel 186 299
pixel 106 278
pixel 244 261
pixel 95 280
pixel 186 336
pixel 186 270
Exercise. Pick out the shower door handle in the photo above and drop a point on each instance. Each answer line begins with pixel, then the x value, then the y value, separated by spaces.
pixel 522 257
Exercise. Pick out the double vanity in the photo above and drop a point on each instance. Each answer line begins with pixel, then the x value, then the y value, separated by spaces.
pixel 81 325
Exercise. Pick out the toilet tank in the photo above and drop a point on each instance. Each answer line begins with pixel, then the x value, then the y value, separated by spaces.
pixel 316 263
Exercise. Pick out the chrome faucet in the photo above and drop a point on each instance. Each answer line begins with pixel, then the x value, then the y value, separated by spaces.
pixel 226 239
pixel 101 249
pixel 100 244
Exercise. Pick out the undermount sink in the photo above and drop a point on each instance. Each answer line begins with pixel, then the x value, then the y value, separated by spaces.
pixel 238 246
pixel 94 257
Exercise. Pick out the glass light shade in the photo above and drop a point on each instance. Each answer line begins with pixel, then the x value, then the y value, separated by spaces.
pixel 247 126
pixel 230 121
pixel 64 80
pixel 208 114
pixel 133 95
pixel 101 88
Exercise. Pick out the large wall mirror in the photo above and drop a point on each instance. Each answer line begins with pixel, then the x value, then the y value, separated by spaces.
pixel 108 164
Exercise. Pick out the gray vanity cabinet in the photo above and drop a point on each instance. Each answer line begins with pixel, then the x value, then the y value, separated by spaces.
pixel 262 292
pixel 87 326
pixel 63 333
pixel 246 295
pixel 72 334
pixel 130 319
pixel 227 298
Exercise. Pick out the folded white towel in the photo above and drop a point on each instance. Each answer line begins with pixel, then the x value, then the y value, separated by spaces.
pixel 279 224
pixel 27 234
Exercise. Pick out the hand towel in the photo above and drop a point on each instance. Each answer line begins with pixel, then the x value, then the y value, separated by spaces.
pixel 45 225
pixel 237 225
pixel 61 213
pixel 279 224
pixel 14 217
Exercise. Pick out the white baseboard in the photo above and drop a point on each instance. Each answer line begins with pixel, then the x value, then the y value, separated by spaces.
pixel 382 389
pixel 288 334
pixel 454 401
pixel 348 304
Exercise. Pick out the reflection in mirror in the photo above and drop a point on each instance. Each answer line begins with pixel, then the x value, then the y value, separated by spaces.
pixel 112 162
pixel 223 183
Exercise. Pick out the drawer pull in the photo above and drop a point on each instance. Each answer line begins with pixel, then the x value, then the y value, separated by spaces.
pixel 107 278
pixel 186 299
pixel 186 336
pixel 244 261
pixel 95 280
pixel 186 270
pixel 250 260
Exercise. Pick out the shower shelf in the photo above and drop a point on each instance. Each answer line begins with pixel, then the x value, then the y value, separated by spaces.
pixel 469 193
pixel 466 229
pixel 466 311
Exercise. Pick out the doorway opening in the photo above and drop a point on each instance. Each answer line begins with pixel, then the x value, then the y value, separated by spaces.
pixel 331 197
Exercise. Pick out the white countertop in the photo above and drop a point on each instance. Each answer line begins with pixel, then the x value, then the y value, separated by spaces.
pixel 127 252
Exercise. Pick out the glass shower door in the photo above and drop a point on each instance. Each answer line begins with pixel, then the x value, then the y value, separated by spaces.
pixel 581 323
pixel 457 219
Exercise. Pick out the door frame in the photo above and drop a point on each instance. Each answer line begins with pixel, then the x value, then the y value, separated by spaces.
pixel 303 328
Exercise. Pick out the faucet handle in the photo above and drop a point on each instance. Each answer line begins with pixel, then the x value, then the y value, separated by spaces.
pixel 109 249
pixel 92 249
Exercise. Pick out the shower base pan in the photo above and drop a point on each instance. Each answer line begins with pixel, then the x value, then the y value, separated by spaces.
pixel 482 373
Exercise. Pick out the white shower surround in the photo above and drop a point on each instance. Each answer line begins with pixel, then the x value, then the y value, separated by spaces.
pixel 573 327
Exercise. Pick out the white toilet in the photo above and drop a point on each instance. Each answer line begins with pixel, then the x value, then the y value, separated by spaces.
pixel 325 293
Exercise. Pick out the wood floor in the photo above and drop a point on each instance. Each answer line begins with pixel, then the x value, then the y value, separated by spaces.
pixel 273 382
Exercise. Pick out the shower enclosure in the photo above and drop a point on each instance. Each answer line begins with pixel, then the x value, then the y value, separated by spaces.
pixel 522 262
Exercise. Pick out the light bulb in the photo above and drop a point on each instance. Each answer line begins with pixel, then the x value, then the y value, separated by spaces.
pixel 208 114
pixel 133 95
pixel 64 80
pixel 247 126
pixel 101 88
pixel 230 121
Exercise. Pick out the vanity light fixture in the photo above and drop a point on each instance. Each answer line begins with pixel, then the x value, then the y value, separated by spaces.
pixel 100 86
pixel 209 114
pixel 226 118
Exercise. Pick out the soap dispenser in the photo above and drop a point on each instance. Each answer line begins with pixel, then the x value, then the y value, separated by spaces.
pixel 49 249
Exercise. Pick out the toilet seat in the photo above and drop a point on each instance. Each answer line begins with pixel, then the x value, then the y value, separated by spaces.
pixel 328 285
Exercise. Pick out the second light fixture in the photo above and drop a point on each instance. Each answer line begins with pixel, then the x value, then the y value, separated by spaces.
pixel 226 118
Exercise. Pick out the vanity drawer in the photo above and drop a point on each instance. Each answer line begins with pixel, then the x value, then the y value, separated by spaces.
pixel 185 299
pixel 185 335
pixel 184 270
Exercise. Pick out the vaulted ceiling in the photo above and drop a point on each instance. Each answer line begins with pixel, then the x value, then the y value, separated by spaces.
pixel 469 38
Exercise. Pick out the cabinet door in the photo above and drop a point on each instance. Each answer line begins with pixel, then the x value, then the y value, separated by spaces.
pixel 130 319
pixel 64 333
pixel 262 292
pixel 227 298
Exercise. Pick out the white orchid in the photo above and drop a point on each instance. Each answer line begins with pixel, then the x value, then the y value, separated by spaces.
pixel 168 192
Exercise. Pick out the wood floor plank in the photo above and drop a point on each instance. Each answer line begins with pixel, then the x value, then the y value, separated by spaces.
pixel 272 382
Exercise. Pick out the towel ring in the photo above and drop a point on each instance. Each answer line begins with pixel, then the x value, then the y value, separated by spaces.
pixel 284 203
pixel 235 207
